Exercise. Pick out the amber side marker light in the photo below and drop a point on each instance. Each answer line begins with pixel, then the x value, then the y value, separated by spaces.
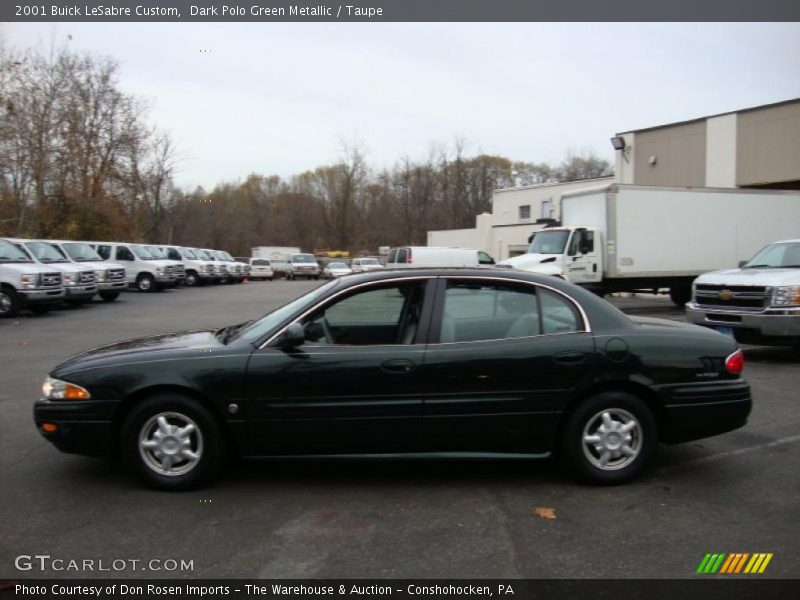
pixel 735 363
pixel 49 427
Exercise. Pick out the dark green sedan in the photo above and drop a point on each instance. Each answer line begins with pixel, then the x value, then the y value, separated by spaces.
pixel 447 362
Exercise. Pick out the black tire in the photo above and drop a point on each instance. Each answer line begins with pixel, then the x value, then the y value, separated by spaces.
pixel 206 441
pixel 109 296
pixel 40 309
pixel 588 419
pixel 146 283
pixel 680 296
pixel 269 278
pixel 192 280
pixel 9 302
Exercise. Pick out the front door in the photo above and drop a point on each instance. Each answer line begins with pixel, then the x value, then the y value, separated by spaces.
pixel 353 386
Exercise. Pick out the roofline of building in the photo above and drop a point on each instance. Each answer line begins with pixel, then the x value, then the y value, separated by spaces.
pixel 550 184
pixel 700 119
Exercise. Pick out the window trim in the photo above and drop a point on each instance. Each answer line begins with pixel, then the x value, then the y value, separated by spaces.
pixel 422 332
pixel 436 322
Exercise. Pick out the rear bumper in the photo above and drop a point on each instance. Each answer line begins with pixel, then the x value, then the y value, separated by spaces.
pixel 82 427
pixel 696 411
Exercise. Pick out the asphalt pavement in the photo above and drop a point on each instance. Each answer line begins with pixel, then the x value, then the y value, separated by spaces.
pixel 739 492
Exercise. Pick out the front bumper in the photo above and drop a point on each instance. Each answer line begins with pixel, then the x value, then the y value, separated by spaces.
pixel 698 410
pixel 771 322
pixel 41 296
pixel 82 427
pixel 80 291
pixel 110 286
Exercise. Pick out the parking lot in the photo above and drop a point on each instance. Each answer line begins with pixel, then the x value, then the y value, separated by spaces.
pixel 738 492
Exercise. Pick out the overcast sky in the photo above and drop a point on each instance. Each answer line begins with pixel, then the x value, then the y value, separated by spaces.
pixel 276 98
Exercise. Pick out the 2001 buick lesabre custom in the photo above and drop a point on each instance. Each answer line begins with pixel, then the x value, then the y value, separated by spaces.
pixel 454 362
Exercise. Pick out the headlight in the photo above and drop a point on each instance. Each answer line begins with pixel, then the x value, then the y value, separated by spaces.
pixel 28 281
pixel 786 295
pixel 159 270
pixel 69 279
pixel 55 389
pixel 100 275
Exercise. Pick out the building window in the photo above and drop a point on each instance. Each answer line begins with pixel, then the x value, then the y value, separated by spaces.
pixel 525 212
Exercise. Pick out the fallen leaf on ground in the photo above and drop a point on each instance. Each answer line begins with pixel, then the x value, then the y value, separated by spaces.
pixel 544 512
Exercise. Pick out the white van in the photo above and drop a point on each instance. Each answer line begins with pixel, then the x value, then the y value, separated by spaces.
pixel 79 282
pixel 142 270
pixel 110 277
pixel 407 257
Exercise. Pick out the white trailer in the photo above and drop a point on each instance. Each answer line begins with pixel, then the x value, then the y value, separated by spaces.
pixel 624 238
pixel 279 256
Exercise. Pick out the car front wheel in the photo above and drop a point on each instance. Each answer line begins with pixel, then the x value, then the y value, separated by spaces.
pixel 610 438
pixel 172 443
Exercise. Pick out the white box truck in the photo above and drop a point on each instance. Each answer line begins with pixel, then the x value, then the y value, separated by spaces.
pixel 626 238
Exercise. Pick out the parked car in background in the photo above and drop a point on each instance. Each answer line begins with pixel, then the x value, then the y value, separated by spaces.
pixel 405 257
pixel 361 265
pixel 758 303
pixel 26 284
pixel 303 265
pixel 336 269
pixel 236 271
pixel 261 268
pixel 221 273
pixel 142 270
pixel 471 363
pixel 109 276
pixel 279 257
pixel 79 282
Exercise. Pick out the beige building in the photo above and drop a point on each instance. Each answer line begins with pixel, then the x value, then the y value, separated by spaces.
pixel 515 211
pixel 755 147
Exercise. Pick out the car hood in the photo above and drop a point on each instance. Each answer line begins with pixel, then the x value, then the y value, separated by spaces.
pixel 186 342
pixel 539 263
pixel 27 268
pixel 759 277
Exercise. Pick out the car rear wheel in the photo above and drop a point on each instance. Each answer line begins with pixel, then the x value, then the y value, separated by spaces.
pixel 610 438
pixel 172 443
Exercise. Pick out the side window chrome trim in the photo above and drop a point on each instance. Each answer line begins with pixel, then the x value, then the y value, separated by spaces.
pixel 587 327
pixel 336 295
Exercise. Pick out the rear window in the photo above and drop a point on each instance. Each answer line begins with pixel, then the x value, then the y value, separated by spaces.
pixel 260 262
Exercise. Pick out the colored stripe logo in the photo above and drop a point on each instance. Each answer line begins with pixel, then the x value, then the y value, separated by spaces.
pixel 734 563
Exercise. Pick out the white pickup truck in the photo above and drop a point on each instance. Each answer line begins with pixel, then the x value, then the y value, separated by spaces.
pixel 758 303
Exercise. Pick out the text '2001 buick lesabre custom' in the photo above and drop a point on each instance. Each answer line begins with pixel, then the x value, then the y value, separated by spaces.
pixel 444 362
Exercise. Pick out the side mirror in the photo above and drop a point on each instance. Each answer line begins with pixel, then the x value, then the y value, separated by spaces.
pixel 742 263
pixel 293 336
pixel 583 248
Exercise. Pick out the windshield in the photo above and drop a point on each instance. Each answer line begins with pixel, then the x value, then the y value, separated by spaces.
pixel 188 253
pixel 141 252
pixel 80 252
pixel 303 258
pixel 369 261
pixel 776 256
pixel 549 242
pixel 45 252
pixel 10 253
pixel 258 329
pixel 156 252
pixel 219 256
pixel 205 255
pixel 227 256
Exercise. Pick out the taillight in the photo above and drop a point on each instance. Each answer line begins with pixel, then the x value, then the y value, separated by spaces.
pixel 409 256
pixel 735 363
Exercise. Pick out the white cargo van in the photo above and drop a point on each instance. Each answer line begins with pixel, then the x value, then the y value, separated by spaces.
pixel 23 283
pixel 79 282
pixel 142 271
pixel 406 257
pixel 198 270
pixel 109 276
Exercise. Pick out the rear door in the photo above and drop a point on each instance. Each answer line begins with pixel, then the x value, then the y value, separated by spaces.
pixel 503 364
